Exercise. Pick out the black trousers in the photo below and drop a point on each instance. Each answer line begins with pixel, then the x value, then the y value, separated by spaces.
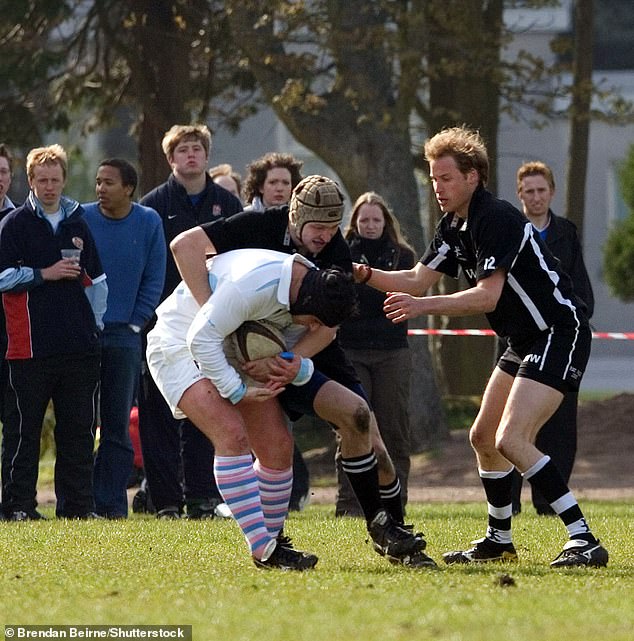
pixel 71 382
pixel 177 456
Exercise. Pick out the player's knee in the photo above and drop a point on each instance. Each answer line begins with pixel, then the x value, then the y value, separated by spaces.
pixel 353 420
pixel 361 418
pixel 476 438
pixel 507 444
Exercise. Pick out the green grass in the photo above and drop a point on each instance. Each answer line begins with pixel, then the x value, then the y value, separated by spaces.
pixel 144 571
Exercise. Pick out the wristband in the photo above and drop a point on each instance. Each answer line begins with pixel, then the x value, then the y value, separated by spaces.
pixel 238 394
pixel 368 275
pixel 306 370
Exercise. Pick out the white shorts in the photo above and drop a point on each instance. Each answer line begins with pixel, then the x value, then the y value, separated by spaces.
pixel 173 369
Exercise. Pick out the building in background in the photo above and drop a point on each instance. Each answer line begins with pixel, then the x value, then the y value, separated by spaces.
pixel 534 29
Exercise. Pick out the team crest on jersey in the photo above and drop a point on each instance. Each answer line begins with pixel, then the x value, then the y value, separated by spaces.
pixel 216 211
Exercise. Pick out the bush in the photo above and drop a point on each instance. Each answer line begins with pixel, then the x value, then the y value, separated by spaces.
pixel 618 261
pixel 618 251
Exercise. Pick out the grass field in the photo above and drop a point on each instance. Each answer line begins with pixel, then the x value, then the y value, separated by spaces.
pixel 144 571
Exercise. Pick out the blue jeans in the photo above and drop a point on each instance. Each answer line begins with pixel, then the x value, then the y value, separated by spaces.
pixel 120 367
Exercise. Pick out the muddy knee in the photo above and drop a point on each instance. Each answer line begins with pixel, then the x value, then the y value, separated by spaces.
pixel 361 419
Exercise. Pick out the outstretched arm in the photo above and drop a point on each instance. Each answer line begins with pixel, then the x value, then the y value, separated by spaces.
pixel 415 281
pixel 482 298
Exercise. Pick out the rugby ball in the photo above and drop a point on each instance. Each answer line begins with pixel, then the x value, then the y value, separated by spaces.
pixel 257 339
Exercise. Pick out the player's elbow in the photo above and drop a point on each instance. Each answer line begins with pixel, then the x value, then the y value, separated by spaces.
pixel 487 299
pixel 489 304
pixel 193 242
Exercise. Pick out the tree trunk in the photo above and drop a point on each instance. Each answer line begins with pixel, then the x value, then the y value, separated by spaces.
pixel 160 72
pixel 358 129
pixel 580 114
pixel 463 95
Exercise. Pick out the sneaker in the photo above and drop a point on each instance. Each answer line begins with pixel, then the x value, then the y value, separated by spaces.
pixel 415 560
pixel 483 551
pixel 203 510
pixel 299 503
pixel 142 501
pixel 168 513
pixel 89 516
pixel 223 511
pixel 579 552
pixel 287 558
pixel 26 515
pixel 286 542
pixel 393 540
pixel 82 516
pixel 341 511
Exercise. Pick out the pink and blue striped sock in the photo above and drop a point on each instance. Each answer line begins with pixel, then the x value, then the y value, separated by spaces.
pixel 275 494
pixel 240 490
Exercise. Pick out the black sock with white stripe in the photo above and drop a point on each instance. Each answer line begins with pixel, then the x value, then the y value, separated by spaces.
pixel 363 474
pixel 498 490
pixel 392 500
pixel 545 477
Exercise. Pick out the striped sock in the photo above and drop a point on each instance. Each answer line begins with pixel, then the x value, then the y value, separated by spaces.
pixel 546 478
pixel 275 494
pixel 363 474
pixel 497 487
pixel 392 500
pixel 238 486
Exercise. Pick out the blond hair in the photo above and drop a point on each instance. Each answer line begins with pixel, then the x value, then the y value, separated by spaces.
pixel 225 169
pixel 51 155
pixel 465 146
pixel 178 133
pixel 535 168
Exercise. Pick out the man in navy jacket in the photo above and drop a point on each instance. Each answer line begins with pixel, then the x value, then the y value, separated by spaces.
pixel 54 308
pixel 188 198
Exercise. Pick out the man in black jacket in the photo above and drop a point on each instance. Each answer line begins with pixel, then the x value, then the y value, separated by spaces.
pixel 54 306
pixel 558 437
pixel 188 198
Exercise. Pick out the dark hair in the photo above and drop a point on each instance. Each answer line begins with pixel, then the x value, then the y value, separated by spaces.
pixel 259 169
pixel 328 294
pixel 5 153
pixel 129 176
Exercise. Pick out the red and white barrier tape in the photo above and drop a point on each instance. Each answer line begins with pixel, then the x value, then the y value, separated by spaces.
pixel 615 336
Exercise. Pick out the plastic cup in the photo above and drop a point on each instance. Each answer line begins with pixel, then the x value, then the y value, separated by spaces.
pixel 73 254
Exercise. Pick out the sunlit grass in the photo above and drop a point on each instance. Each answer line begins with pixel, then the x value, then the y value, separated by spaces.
pixel 145 571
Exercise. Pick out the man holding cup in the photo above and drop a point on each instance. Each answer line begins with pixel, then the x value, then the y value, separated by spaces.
pixel 54 308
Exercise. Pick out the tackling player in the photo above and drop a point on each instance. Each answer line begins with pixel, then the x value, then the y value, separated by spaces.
pixel 310 226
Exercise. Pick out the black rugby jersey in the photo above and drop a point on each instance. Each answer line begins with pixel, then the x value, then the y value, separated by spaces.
pixel 269 230
pixel 537 294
